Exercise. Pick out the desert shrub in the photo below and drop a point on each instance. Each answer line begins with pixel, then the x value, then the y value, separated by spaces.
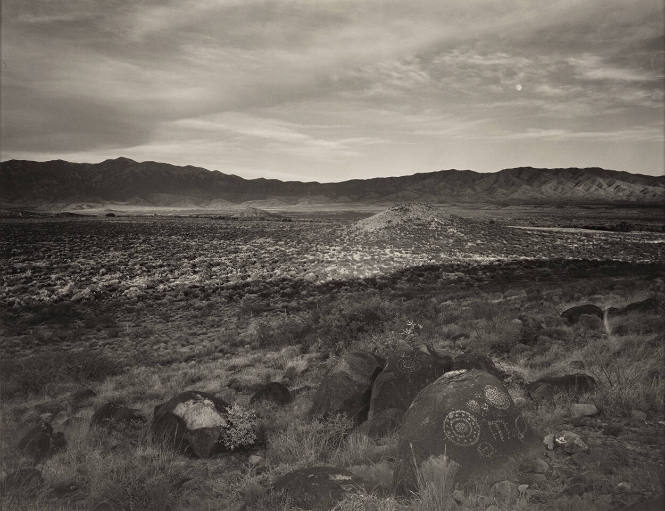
pixel 241 428
pixel 36 373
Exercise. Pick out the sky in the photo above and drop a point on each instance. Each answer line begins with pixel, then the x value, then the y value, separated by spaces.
pixel 330 90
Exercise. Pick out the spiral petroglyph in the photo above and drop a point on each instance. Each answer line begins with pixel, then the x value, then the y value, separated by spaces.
pixel 461 428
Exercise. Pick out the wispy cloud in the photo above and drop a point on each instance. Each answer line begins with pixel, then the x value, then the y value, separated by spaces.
pixel 335 88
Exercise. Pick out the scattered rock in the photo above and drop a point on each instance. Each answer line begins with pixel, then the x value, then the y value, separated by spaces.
pixel 568 441
pixel 467 415
pixel 404 375
pixel 40 442
pixel 317 488
pixel 477 361
pixel 572 315
pixel 203 425
pixel 347 388
pixel 274 392
pixel 117 417
pixel 578 410
pixel 23 479
pixel 191 422
pixel 545 388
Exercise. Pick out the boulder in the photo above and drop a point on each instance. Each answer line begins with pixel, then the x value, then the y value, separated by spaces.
pixel 274 392
pixel 578 410
pixel 81 398
pixel 317 488
pixel 466 414
pixel 477 361
pixel 117 417
pixel 569 441
pixel 202 425
pixel 572 315
pixel 650 305
pixel 40 442
pixel 404 375
pixel 546 387
pixel 347 387
pixel 382 423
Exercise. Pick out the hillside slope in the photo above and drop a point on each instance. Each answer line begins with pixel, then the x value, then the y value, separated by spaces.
pixel 28 182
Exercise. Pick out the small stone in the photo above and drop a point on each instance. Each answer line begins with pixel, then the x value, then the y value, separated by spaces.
pixel 624 486
pixel 638 415
pixel 579 410
pixel 458 496
pixel 522 488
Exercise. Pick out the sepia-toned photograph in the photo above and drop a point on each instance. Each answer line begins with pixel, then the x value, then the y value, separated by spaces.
pixel 332 255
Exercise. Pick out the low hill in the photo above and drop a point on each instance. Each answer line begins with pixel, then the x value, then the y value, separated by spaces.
pixel 160 184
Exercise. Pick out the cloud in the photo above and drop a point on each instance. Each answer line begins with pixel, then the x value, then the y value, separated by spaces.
pixel 332 88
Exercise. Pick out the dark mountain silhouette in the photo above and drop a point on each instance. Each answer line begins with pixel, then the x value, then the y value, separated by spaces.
pixel 152 183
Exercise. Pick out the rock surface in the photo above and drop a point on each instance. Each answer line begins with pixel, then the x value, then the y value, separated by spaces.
pixel 578 410
pixel 317 488
pixel 348 386
pixel 191 422
pixel 572 315
pixel 468 415
pixel 477 361
pixel 404 375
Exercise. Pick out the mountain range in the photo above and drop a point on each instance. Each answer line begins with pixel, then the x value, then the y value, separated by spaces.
pixel 151 183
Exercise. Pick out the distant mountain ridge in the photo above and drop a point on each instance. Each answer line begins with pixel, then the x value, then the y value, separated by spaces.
pixel 161 184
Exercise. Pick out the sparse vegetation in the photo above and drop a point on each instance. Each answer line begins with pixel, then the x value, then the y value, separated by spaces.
pixel 184 304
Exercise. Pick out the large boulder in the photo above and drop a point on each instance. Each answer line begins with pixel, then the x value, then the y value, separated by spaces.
pixel 40 442
pixel 347 388
pixel 466 414
pixel 477 361
pixel 574 384
pixel 404 375
pixel 200 424
pixel 317 488
pixel 573 314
